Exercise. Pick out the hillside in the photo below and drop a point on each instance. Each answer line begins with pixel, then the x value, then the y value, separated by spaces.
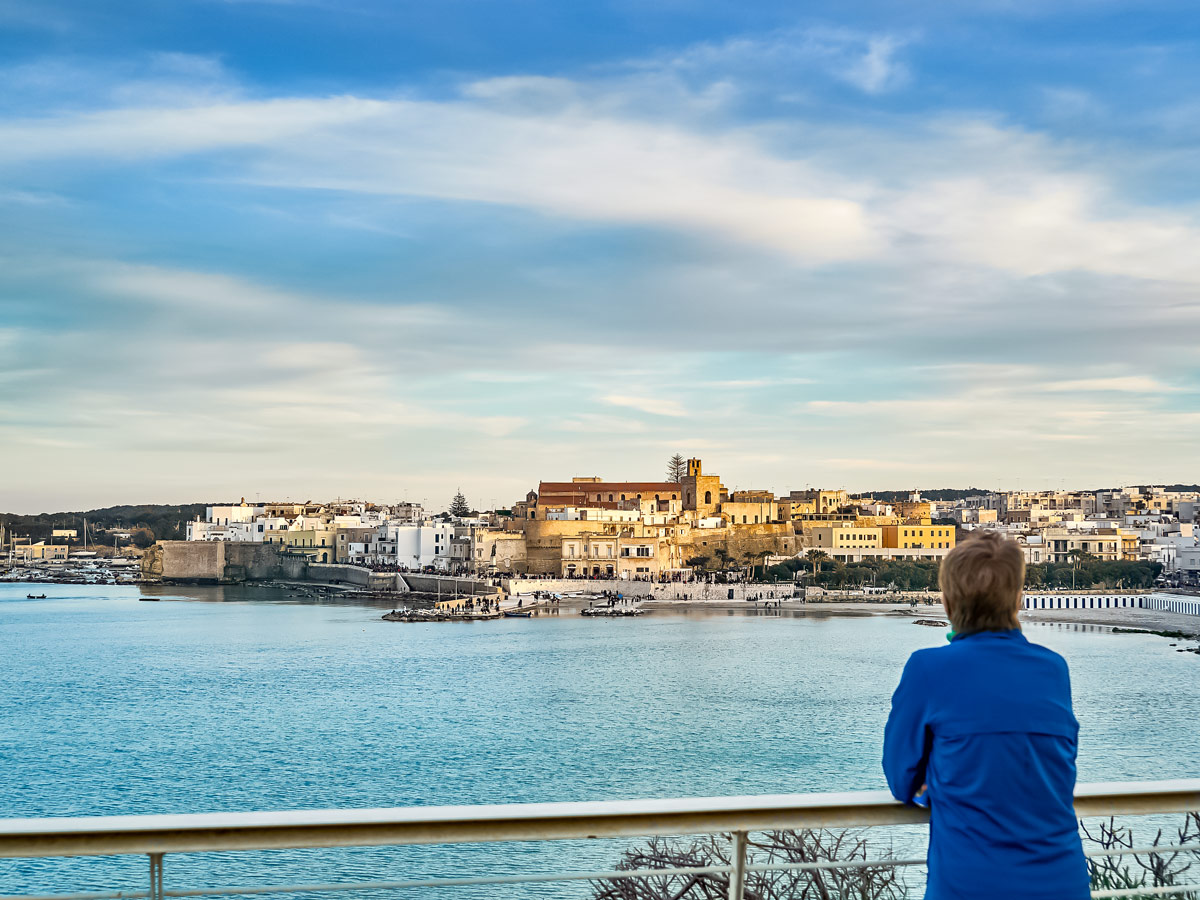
pixel 167 523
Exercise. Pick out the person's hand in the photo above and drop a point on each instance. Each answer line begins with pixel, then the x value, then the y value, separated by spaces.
pixel 921 797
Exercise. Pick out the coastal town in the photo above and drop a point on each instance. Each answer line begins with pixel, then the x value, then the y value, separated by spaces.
pixel 685 528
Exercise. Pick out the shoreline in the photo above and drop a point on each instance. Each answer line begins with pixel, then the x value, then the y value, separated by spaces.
pixel 1124 617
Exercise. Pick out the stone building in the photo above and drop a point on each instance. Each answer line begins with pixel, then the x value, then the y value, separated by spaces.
pixel 702 494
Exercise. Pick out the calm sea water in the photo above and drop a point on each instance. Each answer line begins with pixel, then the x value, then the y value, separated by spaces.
pixel 240 700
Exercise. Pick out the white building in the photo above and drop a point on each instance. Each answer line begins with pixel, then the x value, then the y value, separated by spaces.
pixel 413 547
pixel 1188 561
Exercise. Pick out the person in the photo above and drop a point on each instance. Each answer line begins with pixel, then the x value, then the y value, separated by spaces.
pixel 982 732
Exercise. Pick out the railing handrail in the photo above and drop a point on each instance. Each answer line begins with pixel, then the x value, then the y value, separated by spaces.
pixel 188 833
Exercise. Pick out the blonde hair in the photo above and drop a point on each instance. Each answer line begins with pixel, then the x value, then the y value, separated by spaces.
pixel 981 580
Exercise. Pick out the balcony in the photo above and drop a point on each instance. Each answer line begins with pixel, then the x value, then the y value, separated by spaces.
pixel 731 819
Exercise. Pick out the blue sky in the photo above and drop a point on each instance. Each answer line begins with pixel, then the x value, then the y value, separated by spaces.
pixel 306 249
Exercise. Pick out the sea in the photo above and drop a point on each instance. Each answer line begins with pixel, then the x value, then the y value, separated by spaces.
pixel 242 698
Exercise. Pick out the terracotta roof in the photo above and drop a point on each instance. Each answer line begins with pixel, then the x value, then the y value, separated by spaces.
pixel 576 493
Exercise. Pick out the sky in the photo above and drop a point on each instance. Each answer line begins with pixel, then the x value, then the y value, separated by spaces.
pixel 389 250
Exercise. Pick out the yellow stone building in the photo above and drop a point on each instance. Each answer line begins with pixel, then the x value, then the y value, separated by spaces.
pixel 842 537
pixel 318 543
pixel 41 550
pixel 913 509
pixel 917 537
pixel 751 508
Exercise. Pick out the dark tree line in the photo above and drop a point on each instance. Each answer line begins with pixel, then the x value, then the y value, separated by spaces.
pixel 922 574
pixel 147 523
pixel 940 494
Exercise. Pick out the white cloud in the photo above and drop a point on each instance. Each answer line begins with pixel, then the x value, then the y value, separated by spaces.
pixel 867 61
pixel 204 295
pixel 31 198
pixel 877 70
pixel 137 133
pixel 966 193
pixel 655 406
pixel 1133 384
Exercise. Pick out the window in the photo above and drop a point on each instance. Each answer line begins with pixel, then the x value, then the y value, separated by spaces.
pixel 707 497
pixel 610 496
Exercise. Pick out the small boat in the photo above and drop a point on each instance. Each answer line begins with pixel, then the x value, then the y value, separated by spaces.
pixel 517 614
pixel 613 612
pixel 32 597
pixel 149 599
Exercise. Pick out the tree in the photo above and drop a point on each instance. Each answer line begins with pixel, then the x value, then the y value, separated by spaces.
pixel 1078 558
pixel 676 468
pixel 143 538
pixel 816 557
pixel 756 557
pixel 723 557
pixel 698 562
pixel 459 507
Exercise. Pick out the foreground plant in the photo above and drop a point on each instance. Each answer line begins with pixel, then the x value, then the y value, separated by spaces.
pixel 1155 869
pixel 774 847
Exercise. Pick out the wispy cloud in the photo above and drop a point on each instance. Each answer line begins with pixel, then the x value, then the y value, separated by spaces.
pixel 655 406
pixel 1011 202
pixel 868 61
pixel 1126 384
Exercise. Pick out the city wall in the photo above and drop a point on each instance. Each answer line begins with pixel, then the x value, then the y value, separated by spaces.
pixel 232 562
pixel 216 562
pixel 345 574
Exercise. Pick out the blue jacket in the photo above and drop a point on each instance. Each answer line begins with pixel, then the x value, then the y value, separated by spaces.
pixel 986 723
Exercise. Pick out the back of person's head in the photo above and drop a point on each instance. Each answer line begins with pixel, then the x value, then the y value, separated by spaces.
pixel 981 580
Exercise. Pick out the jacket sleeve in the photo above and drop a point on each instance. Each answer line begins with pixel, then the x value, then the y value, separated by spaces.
pixel 907 738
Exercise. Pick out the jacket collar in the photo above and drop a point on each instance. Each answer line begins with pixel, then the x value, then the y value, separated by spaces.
pixel 1007 634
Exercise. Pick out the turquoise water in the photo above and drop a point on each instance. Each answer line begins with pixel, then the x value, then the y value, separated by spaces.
pixel 235 701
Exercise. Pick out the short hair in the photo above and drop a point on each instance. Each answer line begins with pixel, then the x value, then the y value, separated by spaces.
pixel 982 579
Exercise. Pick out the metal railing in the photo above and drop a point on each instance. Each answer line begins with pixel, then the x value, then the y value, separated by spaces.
pixel 157 836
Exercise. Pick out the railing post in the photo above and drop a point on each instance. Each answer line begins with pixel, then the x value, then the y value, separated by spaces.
pixel 156 876
pixel 737 871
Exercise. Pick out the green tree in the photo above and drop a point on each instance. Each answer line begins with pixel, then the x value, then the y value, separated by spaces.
pixel 757 559
pixel 459 507
pixel 816 557
pixel 143 538
pixel 676 468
